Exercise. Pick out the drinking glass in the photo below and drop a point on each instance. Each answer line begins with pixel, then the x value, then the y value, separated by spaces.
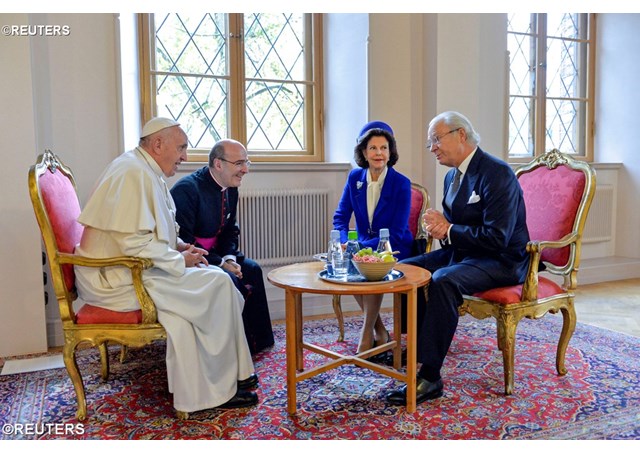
pixel 340 266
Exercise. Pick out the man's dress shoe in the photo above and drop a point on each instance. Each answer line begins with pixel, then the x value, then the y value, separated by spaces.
pixel 425 390
pixel 248 383
pixel 242 398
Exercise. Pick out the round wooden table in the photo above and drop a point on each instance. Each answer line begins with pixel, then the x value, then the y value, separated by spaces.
pixel 297 279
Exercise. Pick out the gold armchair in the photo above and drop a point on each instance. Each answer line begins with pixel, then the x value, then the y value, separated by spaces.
pixel 419 204
pixel 55 202
pixel 558 191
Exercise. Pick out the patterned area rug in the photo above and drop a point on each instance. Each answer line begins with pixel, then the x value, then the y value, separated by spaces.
pixel 598 399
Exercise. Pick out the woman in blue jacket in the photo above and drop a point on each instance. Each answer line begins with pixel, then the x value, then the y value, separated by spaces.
pixel 379 197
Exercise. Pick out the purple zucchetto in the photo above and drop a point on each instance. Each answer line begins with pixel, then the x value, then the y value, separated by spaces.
pixel 364 132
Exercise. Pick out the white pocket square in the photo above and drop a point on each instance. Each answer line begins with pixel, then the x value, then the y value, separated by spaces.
pixel 474 198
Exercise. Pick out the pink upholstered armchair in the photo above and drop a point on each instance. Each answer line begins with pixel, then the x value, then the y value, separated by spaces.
pixel 56 206
pixel 558 191
pixel 420 202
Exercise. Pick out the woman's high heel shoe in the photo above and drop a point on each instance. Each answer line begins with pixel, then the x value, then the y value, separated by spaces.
pixel 375 342
pixel 385 357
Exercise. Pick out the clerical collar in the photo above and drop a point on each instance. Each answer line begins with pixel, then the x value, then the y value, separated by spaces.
pixel 222 188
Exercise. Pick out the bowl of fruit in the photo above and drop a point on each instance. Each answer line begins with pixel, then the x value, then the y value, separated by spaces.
pixel 374 266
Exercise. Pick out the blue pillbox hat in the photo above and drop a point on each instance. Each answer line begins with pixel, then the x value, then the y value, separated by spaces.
pixel 371 126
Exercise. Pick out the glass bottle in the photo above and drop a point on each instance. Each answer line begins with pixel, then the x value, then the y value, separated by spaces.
pixel 351 249
pixel 384 245
pixel 334 252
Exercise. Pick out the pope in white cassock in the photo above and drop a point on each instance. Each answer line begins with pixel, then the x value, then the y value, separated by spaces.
pixel 131 212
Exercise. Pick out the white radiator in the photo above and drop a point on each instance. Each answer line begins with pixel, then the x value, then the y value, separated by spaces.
pixel 283 226
pixel 600 220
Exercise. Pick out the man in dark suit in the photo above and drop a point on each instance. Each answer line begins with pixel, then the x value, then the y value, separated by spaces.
pixel 483 233
pixel 207 202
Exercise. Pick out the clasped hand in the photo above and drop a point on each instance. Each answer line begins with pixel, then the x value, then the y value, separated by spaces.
pixel 436 224
pixel 233 267
pixel 193 256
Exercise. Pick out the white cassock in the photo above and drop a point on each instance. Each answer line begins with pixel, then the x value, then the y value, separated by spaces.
pixel 131 212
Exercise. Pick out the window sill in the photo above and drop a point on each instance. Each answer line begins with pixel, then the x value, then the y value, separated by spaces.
pixel 285 167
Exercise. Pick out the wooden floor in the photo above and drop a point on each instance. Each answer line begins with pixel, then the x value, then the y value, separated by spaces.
pixel 611 305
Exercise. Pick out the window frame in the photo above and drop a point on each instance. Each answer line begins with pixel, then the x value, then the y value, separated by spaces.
pixel 540 98
pixel 313 103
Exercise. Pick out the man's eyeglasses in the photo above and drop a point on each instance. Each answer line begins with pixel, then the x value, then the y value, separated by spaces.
pixel 238 163
pixel 435 140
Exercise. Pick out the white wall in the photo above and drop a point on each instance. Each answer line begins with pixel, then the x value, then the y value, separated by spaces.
pixel 22 318
pixel 62 94
pixel 471 76
pixel 345 83
pixel 76 103
pixel 617 121
pixel 396 91
pixel 425 66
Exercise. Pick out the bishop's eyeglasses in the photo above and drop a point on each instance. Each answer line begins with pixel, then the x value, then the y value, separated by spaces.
pixel 238 163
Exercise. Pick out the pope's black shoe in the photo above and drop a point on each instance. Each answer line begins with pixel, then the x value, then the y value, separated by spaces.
pixel 425 390
pixel 242 398
pixel 248 383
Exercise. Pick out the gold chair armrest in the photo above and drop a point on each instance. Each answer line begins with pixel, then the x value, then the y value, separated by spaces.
pixel 422 234
pixel 567 240
pixel 127 261
pixel 134 264
pixel 534 249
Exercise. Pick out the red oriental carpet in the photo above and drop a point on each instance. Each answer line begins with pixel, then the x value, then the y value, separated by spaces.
pixel 599 398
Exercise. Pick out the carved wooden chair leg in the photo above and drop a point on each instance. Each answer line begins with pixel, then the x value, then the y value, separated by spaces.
pixel 182 415
pixel 337 308
pixel 69 358
pixel 500 339
pixel 508 349
pixel 104 360
pixel 124 352
pixel 568 326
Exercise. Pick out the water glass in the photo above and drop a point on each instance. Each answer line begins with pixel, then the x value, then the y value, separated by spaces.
pixel 340 265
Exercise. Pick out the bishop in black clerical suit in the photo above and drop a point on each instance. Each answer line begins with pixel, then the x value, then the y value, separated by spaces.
pixel 206 203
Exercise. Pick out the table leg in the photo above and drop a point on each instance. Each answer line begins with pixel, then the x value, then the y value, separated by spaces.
pixel 397 330
pixel 291 329
pixel 298 311
pixel 412 341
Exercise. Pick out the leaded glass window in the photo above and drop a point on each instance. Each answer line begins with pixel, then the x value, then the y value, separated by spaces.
pixel 551 82
pixel 253 77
